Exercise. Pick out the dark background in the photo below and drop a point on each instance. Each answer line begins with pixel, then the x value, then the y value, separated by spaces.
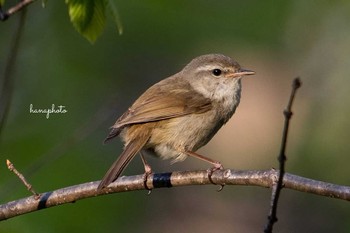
pixel 96 83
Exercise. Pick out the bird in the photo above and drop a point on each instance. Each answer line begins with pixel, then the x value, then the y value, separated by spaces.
pixel 180 114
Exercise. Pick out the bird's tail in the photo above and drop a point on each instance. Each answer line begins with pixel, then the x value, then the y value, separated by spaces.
pixel 130 150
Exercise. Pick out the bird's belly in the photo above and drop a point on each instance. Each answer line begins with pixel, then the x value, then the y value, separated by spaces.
pixel 171 138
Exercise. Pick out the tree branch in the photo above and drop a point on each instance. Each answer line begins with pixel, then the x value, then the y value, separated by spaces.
pixel 265 178
pixel 19 6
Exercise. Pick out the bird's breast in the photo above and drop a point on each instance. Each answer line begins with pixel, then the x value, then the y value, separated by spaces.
pixel 171 137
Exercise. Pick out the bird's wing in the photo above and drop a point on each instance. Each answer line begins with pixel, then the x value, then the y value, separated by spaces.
pixel 159 103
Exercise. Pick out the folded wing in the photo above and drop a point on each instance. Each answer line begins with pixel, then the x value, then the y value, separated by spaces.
pixel 157 104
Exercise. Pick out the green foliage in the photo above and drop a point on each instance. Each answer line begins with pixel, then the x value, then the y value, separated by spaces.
pixel 2 2
pixel 115 15
pixel 88 17
pixel 43 3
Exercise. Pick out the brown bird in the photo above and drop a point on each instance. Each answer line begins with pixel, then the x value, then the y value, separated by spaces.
pixel 180 114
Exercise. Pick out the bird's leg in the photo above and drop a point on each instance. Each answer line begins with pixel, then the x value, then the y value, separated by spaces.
pixel 148 171
pixel 216 165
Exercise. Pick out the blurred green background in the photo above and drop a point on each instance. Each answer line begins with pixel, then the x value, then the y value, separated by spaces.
pixel 96 83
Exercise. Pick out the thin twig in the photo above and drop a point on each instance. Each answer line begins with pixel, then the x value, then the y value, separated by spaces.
pixel 60 149
pixel 264 178
pixel 272 218
pixel 12 168
pixel 21 5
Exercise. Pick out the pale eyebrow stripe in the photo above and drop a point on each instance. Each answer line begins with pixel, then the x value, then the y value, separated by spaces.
pixel 209 67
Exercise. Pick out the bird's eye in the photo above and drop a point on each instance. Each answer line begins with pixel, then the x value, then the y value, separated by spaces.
pixel 216 72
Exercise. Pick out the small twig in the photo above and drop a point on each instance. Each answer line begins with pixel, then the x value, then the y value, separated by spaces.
pixel 276 190
pixel 5 15
pixel 12 168
pixel 59 150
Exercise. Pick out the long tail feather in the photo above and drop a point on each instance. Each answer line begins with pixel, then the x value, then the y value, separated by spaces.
pixel 124 159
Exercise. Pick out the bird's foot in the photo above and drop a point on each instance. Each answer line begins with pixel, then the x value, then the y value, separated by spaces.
pixel 148 171
pixel 217 166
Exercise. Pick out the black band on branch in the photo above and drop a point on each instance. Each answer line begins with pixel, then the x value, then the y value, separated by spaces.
pixel 162 180
pixel 43 201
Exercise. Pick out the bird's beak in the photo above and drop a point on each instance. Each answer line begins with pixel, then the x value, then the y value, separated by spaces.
pixel 240 73
pixel 245 72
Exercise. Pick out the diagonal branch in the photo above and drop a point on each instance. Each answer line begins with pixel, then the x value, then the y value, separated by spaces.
pixel 7 84
pixel 19 6
pixel 265 178
pixel 30 188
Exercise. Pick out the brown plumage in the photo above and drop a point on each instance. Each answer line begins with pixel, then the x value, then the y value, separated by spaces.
pixel 179 114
